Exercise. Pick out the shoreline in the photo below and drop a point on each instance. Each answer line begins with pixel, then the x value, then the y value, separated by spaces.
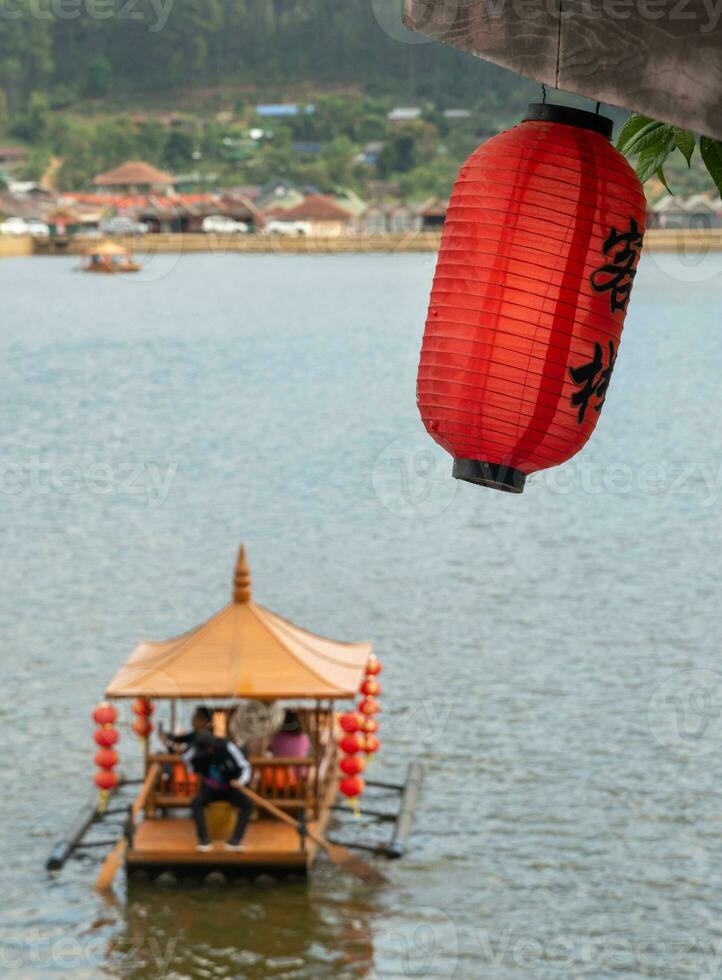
pixel 656 240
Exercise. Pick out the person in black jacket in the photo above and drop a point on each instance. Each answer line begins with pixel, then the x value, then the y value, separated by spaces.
pixel 202 721
pixel 222 768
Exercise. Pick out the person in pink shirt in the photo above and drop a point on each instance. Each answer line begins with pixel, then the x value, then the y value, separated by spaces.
pixel 291 742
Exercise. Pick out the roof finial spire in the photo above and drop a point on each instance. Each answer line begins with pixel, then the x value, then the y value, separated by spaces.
pixel 242 578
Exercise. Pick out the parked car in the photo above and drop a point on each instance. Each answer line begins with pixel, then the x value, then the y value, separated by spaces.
pixel 14 226
pixel 220 224
pixel 293 228
pixel 119 225
pixel 38 229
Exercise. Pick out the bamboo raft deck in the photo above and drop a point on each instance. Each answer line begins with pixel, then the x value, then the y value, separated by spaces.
pixel 167 839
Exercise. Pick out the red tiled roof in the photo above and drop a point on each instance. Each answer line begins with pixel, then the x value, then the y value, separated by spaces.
pixel 13 152
pixel 317 207
pixel 133 172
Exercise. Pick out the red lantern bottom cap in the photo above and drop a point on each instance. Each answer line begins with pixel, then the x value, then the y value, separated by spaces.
pixel 494 475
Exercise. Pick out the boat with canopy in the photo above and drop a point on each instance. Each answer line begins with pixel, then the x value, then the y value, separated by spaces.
pixel 248 667
pixel 247 670
pixel 109 258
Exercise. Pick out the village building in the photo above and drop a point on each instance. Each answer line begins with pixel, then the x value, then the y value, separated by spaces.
pixel 135 177
pixel 698 211
pixel 324 217
pixel 11 158
pixel 278 193
pixel 404 114
pixel 369 156
pixel 456 114
pixel 350 201
pixel 390 218
pixel 433 214
pixel 240 208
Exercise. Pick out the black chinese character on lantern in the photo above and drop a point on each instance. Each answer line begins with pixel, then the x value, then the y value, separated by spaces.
pixel 593 380
pixel 617 276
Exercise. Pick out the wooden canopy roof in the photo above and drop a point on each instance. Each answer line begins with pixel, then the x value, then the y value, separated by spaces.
pixel 106 249
pixel 244 651
pixel 665 63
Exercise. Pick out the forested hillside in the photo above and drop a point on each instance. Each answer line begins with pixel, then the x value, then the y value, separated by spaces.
pixel 90 48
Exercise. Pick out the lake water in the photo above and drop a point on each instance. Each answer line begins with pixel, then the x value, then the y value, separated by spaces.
pixel 553 659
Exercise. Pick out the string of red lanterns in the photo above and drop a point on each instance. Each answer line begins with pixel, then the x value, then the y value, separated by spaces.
pixel 352 764
pixel 143 726
pixel 369 706
pixel 359 728
pixel 106 758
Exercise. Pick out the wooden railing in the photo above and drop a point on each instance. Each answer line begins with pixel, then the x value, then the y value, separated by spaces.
pixel 289 782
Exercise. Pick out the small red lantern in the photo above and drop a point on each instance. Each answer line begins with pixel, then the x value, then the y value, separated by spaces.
pixel 143 727
pixel 352 787
pixel 352 765
pixel 106 780
pixel 351 744
pixel 538 255
pixel 106 736
pixel 371 745
pixel 369 707
pixel 370 725
pixel 371 688
pixel 105 714
pixel 143 707
pixel 373 667
pixel 350 722
pixel 106 758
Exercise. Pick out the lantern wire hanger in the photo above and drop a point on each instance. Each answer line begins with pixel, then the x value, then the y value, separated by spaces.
pixel 544 99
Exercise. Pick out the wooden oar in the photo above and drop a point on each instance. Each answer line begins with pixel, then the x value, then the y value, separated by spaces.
pixel 116 856
pixel 338 854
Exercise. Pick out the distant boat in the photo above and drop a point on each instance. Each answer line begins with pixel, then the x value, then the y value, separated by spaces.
pixel 109 258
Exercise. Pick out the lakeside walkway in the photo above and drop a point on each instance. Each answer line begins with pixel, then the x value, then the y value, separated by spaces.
pixel 657 240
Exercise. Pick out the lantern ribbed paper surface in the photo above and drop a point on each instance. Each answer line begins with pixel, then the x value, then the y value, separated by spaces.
pixel 538 255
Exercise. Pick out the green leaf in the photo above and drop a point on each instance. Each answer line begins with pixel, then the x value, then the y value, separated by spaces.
pixel 651 159
pixel 685 143
pixel 630 129
pixel 711 151
pixel 660 174
pixel 649 136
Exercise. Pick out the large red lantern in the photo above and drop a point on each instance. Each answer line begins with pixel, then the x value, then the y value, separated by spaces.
pixel 370 687
pixel 538 256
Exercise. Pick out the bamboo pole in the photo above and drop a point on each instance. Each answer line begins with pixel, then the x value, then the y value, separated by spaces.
pixel 117 855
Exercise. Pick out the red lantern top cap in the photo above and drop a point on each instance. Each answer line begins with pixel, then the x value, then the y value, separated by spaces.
pixel 569 116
